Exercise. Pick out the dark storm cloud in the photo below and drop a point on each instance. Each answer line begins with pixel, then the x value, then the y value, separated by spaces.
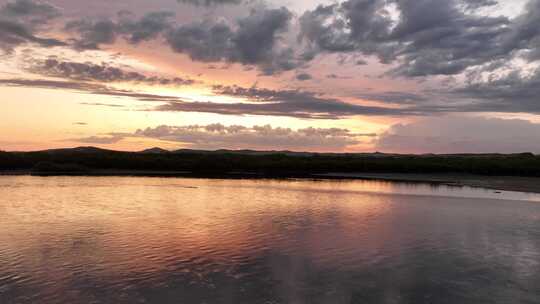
pixel 91 34
pixel 207 42
pixel 33 11
pixel 303 77
pixel 431 37
pixel 148 27
pixel 443 40
pixel 22 20
pixel 525 34
pixel 13 34
pixel 256 35
pixel 100 73
pixel 324 32
pixel 253 41
pixel 476 4
pixel 513 93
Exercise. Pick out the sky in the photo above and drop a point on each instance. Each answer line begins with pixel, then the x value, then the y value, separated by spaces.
pixel 395 76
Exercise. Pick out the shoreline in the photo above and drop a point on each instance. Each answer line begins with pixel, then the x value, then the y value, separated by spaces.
pixel 497 183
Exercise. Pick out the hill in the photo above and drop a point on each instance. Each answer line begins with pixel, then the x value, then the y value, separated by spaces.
pixel 266 163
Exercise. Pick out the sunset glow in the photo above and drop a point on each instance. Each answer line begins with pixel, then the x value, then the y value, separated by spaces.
pixel 74 73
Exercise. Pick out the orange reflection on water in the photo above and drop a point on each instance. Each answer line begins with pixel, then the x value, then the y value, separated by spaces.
pixel 117 233
pixel 143 224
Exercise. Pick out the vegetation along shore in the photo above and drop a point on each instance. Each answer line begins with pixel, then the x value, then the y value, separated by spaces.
pixel 512 172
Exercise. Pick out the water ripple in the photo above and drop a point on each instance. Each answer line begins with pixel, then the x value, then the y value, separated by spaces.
pixel 152 240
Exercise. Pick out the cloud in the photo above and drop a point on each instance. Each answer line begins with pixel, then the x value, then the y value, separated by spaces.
pixel 525 34
pixel 21 20
pixel 430 37
pixel 419 38
pixel 256 35
pixel 204 41
pixel 100 73
pixel 210 2
pixel 110 105
pixel 513 92
pixel 218 136
pixel 335 76
pixel 35 12
pixel 310 105
pixel 86 87
pixel 91 34
pixel 476 4
pixel 52 84
pixel 302 104
pixel 99 140
pixel 396 97
pixel 148 27
pixel 13 34
pixel 303 77
pixel 285 108
pixel 288 103
pixel 453 134
pixel 253 41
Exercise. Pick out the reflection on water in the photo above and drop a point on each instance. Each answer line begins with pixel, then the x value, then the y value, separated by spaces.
pixel 152 240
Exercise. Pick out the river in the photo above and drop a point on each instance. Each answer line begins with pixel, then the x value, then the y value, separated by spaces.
pixel 195 241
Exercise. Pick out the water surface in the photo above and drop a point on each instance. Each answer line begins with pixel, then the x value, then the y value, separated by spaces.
pixel 155 240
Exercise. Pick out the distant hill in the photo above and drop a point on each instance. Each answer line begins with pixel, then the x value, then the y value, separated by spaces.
pixel 78 150
pixel 155 150
pixel 85 160
pixel 243 152
pixel 158 150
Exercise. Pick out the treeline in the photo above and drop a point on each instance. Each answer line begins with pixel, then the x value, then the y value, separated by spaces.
pixel 81 160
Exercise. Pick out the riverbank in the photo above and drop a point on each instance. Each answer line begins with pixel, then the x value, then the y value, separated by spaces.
pixel 501 183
